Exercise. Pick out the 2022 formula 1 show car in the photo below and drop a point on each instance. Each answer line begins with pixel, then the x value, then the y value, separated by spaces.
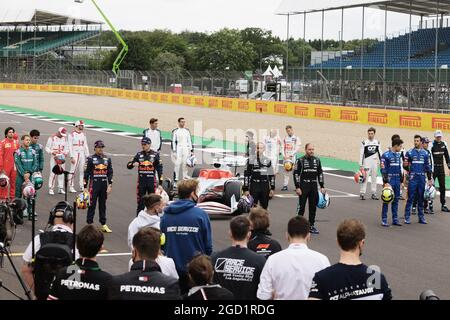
pixel 219 188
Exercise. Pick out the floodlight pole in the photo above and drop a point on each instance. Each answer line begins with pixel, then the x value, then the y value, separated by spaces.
pixel 436 105
pixel 361 91
pixel 341 42
pixel 304 54
pixel 123 52
pixel 384 57
pixel 287 47
pixel 409 57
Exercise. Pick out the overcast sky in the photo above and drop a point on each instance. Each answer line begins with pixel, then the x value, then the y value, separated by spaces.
pixel 212 15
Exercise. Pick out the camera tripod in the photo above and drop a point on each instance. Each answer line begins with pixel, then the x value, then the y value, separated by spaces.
pixel 4 251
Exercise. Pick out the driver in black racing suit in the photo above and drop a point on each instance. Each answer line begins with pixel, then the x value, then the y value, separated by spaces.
pixel 307 173
pixel 259 180
pixel 147 162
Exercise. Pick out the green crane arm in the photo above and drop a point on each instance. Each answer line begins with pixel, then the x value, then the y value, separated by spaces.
pixel 124 51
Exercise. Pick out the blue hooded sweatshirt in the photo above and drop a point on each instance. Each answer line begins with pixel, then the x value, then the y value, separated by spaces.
pixel 188 232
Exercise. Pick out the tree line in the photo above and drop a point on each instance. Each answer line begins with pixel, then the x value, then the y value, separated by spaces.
pixel 226 49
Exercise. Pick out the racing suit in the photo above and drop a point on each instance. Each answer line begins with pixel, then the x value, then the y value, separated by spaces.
pixel 291 146
pixel 418 164
pixel 39 149
pixel 7 149
pixel 56 146
pixel 182 149
pixel 259 179
pixel 416 198
pixel 148 179
pixel 156 138
pixel 308 171
pixel 98 176
pixel 273 151
pixel 26 162
pixel 78 149
pixel 250 148
pixel 439 151
pixel 369 155
pixel 391 171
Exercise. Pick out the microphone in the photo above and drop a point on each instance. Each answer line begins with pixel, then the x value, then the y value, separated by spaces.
pixel 428 295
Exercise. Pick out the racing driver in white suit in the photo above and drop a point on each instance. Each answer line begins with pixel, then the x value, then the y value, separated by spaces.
pixel 273 149
pixel 291 147
pixel 78 151
pixel 57 146
pixel 182 149
pixel 370 156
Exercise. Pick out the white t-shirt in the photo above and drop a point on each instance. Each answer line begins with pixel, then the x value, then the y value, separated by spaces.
pixel 28 256
pixel 288 274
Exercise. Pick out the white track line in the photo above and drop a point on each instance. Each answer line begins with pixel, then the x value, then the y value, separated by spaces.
pixel 345 193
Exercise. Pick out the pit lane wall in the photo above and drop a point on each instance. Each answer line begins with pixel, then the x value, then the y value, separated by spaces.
pixel 379 117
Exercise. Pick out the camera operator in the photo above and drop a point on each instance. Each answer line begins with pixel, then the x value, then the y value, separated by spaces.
pixel 84 280
pixel 61 222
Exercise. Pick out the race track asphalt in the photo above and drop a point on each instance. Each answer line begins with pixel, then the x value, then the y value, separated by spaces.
pixel 413 258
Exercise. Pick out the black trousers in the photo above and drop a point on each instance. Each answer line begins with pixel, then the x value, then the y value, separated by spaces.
pixel 310 194
pixel 183 282
pixel 260 193
pixel 159 169
pixel 143 188
pixel 441 179
pixel 425 202
pixel 98 193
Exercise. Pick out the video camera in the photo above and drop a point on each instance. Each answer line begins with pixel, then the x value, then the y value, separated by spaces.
pixel 11 214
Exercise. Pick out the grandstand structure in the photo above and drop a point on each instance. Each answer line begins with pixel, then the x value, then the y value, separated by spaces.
pixel 42 43
pixel 407 71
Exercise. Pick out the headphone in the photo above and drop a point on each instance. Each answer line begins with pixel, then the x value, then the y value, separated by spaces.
pixel 62 207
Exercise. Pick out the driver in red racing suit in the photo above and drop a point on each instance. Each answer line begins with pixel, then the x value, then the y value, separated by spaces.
pixel 8 147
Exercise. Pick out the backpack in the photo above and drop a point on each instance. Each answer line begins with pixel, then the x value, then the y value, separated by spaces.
pixel 54 254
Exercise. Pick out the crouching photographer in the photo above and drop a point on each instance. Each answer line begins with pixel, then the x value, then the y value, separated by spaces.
pixel 50 251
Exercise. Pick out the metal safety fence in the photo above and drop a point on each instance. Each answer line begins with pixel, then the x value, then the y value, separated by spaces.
pixel 417 89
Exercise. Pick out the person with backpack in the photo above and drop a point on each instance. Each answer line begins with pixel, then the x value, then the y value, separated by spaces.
pixel 53 250
pixel 83 280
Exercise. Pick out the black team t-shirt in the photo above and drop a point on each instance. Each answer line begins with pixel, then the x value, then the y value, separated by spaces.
pixel 238 269
pixel 263 244
pixel 350 282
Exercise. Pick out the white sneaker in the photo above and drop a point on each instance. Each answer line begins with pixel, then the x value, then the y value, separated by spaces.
pixel 72 190
pixel 61 191
pixel 51 192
